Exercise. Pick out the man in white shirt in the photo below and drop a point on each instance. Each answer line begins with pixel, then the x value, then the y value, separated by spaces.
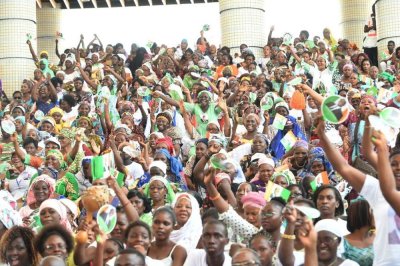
pixel 370 43
pixel 214 239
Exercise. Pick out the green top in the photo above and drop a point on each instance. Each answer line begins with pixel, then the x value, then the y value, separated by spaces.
pixel 203 118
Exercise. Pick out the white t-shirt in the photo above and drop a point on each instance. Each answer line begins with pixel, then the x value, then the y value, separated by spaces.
pixel 19 186
pixel 198 257
pixel 387 239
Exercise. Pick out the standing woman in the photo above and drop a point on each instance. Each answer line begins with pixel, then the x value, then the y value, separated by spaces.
pixel 16 247
pixel 187 212
pixel 328 201
pixel 361 225
pixel 160 192
pixel 162 248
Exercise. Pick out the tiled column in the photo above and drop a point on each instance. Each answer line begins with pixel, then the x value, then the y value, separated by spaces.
pixel 243 22
pixel 48 23
pixel 387 23
pixel 17 18
pixel 354 15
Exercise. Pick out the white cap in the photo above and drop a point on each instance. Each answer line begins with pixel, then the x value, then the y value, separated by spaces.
pixel 159 164
pixel 331 226
pixel 54 140
pixel 258 156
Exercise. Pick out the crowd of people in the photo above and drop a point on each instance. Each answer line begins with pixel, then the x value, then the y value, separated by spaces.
pixel 209 157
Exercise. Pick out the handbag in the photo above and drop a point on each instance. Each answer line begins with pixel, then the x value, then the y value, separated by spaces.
pixel 358 162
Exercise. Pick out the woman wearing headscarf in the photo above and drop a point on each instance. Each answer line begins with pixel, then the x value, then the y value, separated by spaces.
pixel 160 191
pixel 251 123
pixel 54 165
pixel 329 39
pixel 297 158
pixel 52 212
pixel 44 67
pixel 164 125
pixel 57 114
pixel 283 178
pixel 317 163
pixel 277 148
pixel 265 172
pixel 187 212
pixel 40 189
pixel 149 76
pixel 174 167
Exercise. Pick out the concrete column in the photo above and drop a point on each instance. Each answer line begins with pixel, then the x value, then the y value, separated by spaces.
pixel 48 23
pixel 243 22
pixel 17 18
pixel 387 23
pixel 354 15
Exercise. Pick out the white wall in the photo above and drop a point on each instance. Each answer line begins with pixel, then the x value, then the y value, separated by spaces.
pixel 169 24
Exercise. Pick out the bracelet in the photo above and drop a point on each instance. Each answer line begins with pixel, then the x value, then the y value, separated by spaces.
pixel 216 197
pixel 290 237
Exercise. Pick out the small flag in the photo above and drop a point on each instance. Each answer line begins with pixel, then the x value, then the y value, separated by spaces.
pixel 320 179
pixel 120 177
pixel 279 122
pixel 97 167
pixel 273 190
pixel 28 37
pixel 288 140
pixel 59 35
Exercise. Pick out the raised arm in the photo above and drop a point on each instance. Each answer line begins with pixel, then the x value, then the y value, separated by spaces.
pixel 219 203
pixel 34 56
pixel 117 158
pixel 169 100
pixel 286 246
pixel 85 77
pixel 308 237
pixel 18 150
pixel 116 75
pixel 52 91
pixel 130 210
pixel 387 180
pixel 367 149
pixel 271 30
pixel 57 53
pixel 315 95
pixel 355 178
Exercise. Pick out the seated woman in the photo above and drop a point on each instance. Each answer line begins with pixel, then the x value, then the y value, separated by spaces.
pixel 19 177
pixel 329 238
pixel 142 205
pixel 163 249
pixel 160 192
pixel 256 212
pixel 40 189
pixel 265 172
pixel 54 240
pixel 187 212
pixel 361 225
pixel 53 212
pixel 16 247
pixel 174 167
pixel 138 236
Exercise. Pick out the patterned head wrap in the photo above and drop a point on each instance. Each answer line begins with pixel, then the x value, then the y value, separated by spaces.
pixel 68 133
pixel 59 156
pixel 30 198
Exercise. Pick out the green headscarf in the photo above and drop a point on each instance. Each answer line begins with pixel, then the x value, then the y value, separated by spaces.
pixel 46 69
pixel 170 192
pixel 288 175
pixel 59 156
